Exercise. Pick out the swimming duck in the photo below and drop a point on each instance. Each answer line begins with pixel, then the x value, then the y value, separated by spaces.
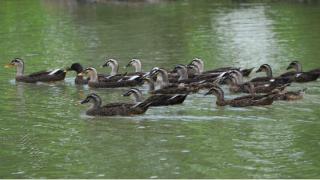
pixel 156 100
pixel 278 94
pixel 269 78
pixel 166 87
pixel 298 75
pixel 199 62
pixel 240 102
pixel 42 76
pixel 100 83
pixel 266 87
pixel 184 78
pixel 113 109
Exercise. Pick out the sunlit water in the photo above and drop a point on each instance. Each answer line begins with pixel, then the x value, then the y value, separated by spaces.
pixel 44 132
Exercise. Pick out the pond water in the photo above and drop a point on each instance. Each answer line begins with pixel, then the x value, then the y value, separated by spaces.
pixel 44 132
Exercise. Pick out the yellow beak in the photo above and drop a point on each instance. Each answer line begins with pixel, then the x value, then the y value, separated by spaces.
pixel 8 65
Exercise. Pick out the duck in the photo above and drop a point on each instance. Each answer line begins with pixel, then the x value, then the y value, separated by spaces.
pixel 156 100
pixel 240 102
pixel 78 68
pixel 266 87
pixel 165 86
pixel 298 75
pixel 41 76
pixel 184 78
pixel 200 63
pixel 269 78
pixel 278 94
pixel 113 109
pixel 94 82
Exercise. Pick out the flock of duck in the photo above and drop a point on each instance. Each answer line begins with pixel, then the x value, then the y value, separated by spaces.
pixel 172 87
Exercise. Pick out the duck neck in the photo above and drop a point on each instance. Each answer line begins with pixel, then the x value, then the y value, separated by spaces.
pixel 150 84
pixel 164 81
pixel 183 74
pixel 200 66
pixel 20 70
pixel 220 97
pixel 137 97
pixel 96 103
pixel 269 72
pixel 298 67
pixel 93 76
pixel 114 68
pixel 137 66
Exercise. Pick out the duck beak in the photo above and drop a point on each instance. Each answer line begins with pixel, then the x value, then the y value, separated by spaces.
pixel 84 101
pixel 289 67
pixel 8 65
pixel 259 70
pixel 128 65
pixel 81 74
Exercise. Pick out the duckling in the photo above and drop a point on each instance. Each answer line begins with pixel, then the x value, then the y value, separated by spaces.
pixel 113 109
pixel 242 102
pixel 298 76
pixel 199 62
pixel 156 100
pixel 123 82
pixel 42 76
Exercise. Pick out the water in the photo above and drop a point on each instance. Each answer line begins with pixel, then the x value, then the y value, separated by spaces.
pixel 44 132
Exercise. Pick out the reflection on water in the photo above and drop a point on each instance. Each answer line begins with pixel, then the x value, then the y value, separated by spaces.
pixel 44 132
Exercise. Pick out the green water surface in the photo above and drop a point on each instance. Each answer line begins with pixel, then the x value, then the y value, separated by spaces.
pixel 44 132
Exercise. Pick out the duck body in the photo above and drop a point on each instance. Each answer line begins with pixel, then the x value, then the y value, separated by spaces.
pixel 158 99
pixel 298 75
pixel 113 109
pixel 95 82
pixel 116 109
pixel 42 76
pixel 240 101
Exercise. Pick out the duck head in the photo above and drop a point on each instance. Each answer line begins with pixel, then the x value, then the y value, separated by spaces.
pixel 265 68
pixel 76 67
pixel 194 68
pixel 19 64
pixel 113 64
pixel 182 71
pixel 135 93
pixel 218 92
pixel 92 73
pixel 136 63
pixel 94 99
pixel 198 62
pixel 295 65
pixel 163 76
